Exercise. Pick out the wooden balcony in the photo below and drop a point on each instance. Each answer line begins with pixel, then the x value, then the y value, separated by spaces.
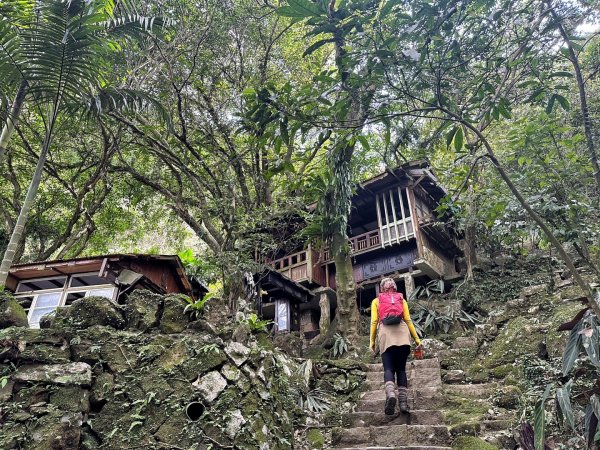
pixel 360 244
pixel 301 266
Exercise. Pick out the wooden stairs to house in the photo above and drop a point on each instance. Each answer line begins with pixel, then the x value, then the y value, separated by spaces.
pixel 423 429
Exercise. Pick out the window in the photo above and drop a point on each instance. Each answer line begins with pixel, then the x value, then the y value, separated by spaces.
pixel 282 315
pixel 394 216
pixel 44 295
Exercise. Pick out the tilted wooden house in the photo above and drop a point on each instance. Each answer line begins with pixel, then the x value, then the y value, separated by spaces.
pixel 394 232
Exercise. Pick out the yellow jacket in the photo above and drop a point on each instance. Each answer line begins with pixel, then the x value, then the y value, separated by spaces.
pixel 405 316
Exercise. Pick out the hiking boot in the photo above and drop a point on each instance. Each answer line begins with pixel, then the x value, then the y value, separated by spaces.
pixel 390 398
pixel 403 399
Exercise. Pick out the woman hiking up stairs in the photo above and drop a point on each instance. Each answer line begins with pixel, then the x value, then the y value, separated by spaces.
pixel 421 429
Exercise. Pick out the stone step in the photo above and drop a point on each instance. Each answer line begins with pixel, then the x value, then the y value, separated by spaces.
pixel 496 425
pixel 404 447
pixel 427 403
pixel 424 374
pixel 413 383
pixel 392 436
pixel 379 394
pixel 431 363
pixel 378 418
pixel 482 390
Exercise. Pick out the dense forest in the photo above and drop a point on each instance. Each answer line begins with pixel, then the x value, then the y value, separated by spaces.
pixel 206 128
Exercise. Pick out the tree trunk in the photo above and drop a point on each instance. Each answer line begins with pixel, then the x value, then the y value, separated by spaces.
pixel 347 311
pixel 593 302
pixel 19 228
pixel 585 112
pixel 12 119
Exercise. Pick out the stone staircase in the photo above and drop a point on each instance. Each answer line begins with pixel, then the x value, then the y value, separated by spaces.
pixel 422 429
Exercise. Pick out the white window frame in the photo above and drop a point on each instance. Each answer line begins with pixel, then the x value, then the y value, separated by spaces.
pixel 64 292
pixel 394 231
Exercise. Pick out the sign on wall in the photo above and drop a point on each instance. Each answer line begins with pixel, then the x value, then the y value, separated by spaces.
pixel 396 259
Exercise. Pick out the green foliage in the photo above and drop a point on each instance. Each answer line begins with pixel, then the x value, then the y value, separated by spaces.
pixel 195 308
pixel 256 324
pixel 429 318
pixel 315 401
pixel 305 370
pixel 539 420
pixel 340 345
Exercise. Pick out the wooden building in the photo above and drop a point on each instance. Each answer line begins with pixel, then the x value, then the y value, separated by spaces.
pixel 394 232
pixel 41 287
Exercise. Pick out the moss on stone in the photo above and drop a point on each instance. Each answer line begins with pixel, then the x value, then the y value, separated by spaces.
pixel 11 313
pixel 461 410
pixel 315 439
pixel 503 371
pixel 471 443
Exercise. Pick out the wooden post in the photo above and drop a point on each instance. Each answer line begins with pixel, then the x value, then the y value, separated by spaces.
pixel 325 319
pixel 415 219
pixel 409 284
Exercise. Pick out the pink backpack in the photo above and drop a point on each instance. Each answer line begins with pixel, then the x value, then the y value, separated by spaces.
pixel 391 308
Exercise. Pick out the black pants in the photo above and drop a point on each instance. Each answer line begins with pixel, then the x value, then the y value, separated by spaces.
pixel 394 364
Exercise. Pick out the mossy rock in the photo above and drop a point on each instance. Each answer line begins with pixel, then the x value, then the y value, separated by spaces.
pixel 87 312
pixel 315 439
pixel 11 313
pixel 471 443
pixel 173 319
pixel 71 398
pixel 142 309
pixel 43 353
pixel 516 339
pixel 508 397
pixel 460 410
pixel 478 373
pixel 503 371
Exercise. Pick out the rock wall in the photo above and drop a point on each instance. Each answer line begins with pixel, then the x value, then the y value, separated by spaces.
pixel 141 375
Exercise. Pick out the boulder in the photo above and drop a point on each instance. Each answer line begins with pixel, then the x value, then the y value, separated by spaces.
pixel 11 313
pixel 173 319
pixel 454 376
pixel 508 397
pixel 87 312
pixel 238 353
pixel 530 291
pixel 142 309
pixel 235 422
pixel 78 373
pixel 433 345
pixel 210 385
pixel 466 342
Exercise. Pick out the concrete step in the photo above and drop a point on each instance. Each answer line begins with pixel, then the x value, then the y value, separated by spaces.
pixel 378 418
pixel 392 436
pixel 482 390
pixel 423 403
pixel 431 363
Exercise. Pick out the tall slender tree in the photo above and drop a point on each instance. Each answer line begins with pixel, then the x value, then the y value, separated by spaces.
pixel 60 55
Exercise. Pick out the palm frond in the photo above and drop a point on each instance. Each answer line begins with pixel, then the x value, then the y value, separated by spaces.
pixel 107 100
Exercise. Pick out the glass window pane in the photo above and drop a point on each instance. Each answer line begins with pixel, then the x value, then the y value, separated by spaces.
pixel 36 315
pixel 283 315
pixel 46 300
pixel 41 285
pixel 72 296
pixel 87 280
pixel 25 300
pixel 108 293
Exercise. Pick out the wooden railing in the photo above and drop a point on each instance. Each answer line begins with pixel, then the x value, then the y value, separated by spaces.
pixel 301 266
pixel 360 244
